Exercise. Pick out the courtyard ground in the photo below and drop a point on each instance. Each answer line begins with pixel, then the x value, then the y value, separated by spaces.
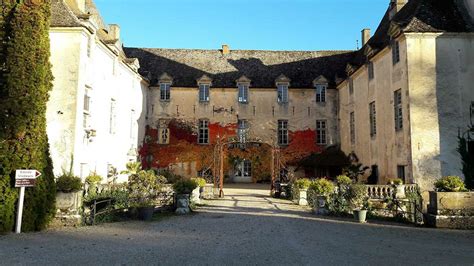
pixel 247 227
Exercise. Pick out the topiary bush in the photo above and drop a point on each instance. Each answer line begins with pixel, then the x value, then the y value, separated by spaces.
pixel 67 183
pixel 200 181
pixel 322 187
pixel 185 186
pixel 450 184
pixel 25 82
pixel 302 183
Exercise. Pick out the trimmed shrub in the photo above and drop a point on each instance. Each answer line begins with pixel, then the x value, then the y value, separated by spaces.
pixel 357 196
pixel 450 184
pixel 322 187
pixel 25 82
pixel 200 181
pixel 184 186
pixel 302 183
pixel 343 180
pixel 68 183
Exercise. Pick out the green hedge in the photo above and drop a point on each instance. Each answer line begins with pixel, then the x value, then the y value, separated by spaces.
pixel 26 78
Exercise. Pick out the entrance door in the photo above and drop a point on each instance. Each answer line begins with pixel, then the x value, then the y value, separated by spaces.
pixel 243 172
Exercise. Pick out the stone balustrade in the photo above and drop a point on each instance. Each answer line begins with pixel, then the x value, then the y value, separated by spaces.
pixel 389 191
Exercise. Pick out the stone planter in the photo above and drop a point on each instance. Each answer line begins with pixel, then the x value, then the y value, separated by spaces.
pixel 303 197
pixel 68 208
pixel 195 196
pixel 451 210
pixel 360 216
pixel 320 205
pixel 182 204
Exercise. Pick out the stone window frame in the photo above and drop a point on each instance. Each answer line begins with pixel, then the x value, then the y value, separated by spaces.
pixel 352 132
pixel 203 131
pixel 204 89
pixel 165 81
pixel 373 119
pixel 395 46
pixel 398 109
pixel 86 108
pixel 283 85
pixel 163 132
pixel 321 86
pixel 371 70
pixel 113 116
pixel 243 89
pixel 321 132
pixel 283 132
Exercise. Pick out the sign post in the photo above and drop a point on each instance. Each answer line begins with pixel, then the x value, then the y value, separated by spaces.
pixel 23 179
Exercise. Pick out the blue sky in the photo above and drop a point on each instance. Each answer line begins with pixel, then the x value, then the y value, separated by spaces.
pixel 243 24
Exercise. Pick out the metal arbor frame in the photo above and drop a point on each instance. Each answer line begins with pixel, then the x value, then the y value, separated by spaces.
pixel 220 152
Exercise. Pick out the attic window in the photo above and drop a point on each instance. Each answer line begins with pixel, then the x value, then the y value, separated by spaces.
pixel 243 92
pixel 321 93
pixel 204 92
pixel 165 92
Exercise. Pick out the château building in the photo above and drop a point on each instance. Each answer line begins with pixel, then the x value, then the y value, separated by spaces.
pixel 397 104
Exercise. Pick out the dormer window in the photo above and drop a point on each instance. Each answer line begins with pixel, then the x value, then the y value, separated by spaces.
pixel 165 92
pixel 243 84
pixel 165 82
pixel 320 84
pixel 204 92
pixel 282 83
pixel 204 84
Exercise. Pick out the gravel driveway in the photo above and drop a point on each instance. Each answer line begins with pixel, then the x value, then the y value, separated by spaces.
pixel 246 228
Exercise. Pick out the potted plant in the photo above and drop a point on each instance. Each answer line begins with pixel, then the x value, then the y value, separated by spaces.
pixel 183 188
pixel 92 181
pixel 69 197
pixel 451 204
pixel 142 187
pixel 198 192
pixel 397 183
pixel 321 189
pixel 357 195
pixel 300 187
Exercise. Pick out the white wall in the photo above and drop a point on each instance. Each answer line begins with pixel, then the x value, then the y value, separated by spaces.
pixel 106 77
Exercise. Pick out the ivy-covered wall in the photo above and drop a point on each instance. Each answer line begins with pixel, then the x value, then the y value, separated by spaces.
pixel 25 82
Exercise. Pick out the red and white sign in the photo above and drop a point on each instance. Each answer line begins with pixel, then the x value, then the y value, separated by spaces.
pixel 26 178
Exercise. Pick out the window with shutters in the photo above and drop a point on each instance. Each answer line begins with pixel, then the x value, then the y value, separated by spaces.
pixel 163 132
pixel 395 52
pixel 373 119
pixel 352 127
pixel 398 109
pixel 283 132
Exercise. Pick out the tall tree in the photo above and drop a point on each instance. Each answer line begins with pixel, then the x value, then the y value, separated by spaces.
pixel 26 80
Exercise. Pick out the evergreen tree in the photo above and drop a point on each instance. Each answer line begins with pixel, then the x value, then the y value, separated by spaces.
pixel 25 75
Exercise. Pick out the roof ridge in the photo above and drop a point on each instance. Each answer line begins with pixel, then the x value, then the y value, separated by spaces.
pixel 240 50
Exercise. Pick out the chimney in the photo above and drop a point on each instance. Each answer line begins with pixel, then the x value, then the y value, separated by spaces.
pixel 365 36
pixel 395 6
pixel 114 31
pixel 225 49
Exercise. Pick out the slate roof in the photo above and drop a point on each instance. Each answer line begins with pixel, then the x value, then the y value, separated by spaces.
pixel 261 67
pixel 62 15
pixel 419 16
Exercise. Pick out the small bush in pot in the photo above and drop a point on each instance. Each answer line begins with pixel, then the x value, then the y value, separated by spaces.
pixel 318 193
pixel 357 196
pixel 450 184
pixel 302 183
pixel 183 189
pixel 201 182
pixel 92 181
pixel 68 183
